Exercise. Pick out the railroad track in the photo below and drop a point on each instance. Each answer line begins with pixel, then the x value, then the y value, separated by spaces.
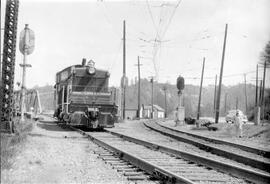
pixel 240 153
pixel 169 165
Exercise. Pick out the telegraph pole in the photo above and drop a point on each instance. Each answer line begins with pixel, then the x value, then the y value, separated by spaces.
pixel 263 88
pixel 257 107
pixel 199 103
pixel 165 94
pixel 256 92
pixel 220 76
pixel 215 94
pixel 139 87
pixel 246 93
pixel 236 104
pixel 152 97
pixel 225 105
pixel 124 80
pixel 260 96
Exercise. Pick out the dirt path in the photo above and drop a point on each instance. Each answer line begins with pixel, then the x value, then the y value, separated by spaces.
pixel 55 155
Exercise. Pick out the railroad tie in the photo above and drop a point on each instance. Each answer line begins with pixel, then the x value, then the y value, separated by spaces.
pixel 109 158
pixel 122 166
pixel 115 161
pixel 105 154
pixel 128 169
pixel 132 173
pixel 134 178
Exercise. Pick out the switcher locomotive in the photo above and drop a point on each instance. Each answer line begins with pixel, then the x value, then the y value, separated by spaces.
pixel 83 97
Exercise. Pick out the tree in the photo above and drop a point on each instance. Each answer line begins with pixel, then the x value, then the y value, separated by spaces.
pixel 266 53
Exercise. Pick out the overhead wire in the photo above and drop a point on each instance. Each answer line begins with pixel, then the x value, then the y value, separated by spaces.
pixel 160 31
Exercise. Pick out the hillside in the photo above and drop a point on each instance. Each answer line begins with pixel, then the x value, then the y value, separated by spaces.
pixel 191 93
pixel 191 96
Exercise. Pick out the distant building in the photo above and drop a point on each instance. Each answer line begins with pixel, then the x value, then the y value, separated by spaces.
pixel 146 110
pixel 131 112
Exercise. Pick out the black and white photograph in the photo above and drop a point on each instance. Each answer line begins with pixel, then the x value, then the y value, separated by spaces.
pixel 135 92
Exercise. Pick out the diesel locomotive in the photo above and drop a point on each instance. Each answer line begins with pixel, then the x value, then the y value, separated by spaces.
pixel 83 98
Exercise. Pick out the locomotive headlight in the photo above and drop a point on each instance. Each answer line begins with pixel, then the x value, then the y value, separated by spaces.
pixel 91 67
pixel 91 70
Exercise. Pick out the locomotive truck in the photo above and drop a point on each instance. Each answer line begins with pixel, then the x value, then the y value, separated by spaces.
pixel 83 98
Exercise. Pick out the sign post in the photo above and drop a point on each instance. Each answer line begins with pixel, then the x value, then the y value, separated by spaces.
pixel 27 45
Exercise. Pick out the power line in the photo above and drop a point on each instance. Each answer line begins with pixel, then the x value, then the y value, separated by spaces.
pixel 151 15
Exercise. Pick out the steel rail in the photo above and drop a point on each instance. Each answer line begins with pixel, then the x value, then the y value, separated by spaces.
pixel 152 169
pixel 234 170
pixel 264 153
pixel 225 153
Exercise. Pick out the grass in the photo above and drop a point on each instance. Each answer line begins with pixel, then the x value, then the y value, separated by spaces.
pixel 10 144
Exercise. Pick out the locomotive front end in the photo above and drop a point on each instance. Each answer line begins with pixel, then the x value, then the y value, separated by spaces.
pixel 89 101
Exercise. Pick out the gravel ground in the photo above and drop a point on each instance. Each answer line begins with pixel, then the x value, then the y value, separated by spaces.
pixel 137 129
pixel 55 155
pixel 254 136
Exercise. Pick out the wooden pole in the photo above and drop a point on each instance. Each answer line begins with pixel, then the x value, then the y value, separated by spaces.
pixel 260 96
pixel 215 94
pixel 152 97
pixel 236 104
pixel 263 88
pixel 165 95
pixel 124 71
pixel 256 92
pixel 220 76
pixel 139 87
pixel 199 103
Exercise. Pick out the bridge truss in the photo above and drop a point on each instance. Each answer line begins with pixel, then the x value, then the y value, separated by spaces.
pixel 32 101
pixel 8 64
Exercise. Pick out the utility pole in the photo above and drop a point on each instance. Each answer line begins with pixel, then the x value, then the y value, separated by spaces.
pixel 246 93
pixel 165 94
pixel 139 87
pixel 199 103
pixel 236 104
pixel 257 107
pixel 220 75
pixel 263 88
pixel 152 97
pixel 256 92
pixel 225 105
pixel 260 96
pixel 215 94
pixel 124 79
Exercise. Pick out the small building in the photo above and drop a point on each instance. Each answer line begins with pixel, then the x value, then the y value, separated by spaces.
pixel 131 112
pixel 158 112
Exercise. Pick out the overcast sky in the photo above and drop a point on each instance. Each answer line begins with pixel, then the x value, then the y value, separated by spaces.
pixel 67 31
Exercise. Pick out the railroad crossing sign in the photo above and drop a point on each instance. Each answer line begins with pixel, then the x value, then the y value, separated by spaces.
pixel 27 41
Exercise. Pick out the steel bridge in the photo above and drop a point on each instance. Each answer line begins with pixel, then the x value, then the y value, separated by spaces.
pixel 8 65
pixel 32 102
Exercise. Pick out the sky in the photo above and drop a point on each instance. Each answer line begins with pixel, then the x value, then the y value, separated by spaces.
pixel 185 31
